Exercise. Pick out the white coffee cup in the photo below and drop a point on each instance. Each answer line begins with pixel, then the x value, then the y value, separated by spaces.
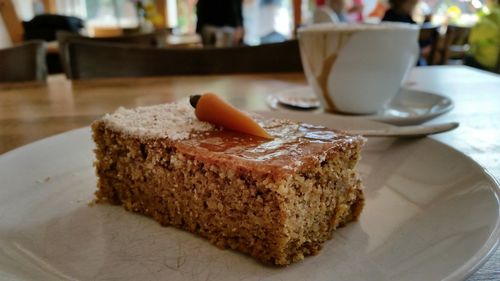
pixel 357 68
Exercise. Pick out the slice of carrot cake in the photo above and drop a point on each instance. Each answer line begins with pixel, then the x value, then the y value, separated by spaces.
pixel 277 200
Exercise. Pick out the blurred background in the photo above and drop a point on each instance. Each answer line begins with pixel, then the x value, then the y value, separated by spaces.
pixel 261 18
pixel 452 31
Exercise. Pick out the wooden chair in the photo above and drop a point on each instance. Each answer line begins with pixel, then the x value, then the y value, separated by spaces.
pixel 430 34
pixel 455 43
pixel 101 60
pixel 154 39
pixel 24 62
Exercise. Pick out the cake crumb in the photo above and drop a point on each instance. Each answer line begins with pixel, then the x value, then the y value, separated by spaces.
pixel 45 180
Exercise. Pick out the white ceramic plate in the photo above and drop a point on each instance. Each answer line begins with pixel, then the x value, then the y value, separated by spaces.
pixel 409 107
pixel 431 214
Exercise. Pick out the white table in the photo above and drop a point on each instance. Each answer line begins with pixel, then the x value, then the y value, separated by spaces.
pixel 28 112
pixel 476 95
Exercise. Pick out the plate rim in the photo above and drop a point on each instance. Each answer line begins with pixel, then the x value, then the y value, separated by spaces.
pixel 491 244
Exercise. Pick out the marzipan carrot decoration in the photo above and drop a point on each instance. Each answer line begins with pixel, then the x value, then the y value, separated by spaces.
pixel 211 108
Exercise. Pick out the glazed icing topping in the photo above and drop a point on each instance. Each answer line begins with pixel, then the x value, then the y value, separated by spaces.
pixel 294 144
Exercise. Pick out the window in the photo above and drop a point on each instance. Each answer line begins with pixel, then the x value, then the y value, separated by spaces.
pixel 107 13
pixel 262 18
pixel 120 13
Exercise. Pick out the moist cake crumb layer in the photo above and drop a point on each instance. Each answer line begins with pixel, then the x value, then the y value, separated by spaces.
pixel 276 200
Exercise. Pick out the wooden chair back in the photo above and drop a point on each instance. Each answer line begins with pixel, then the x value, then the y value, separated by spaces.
pixel 455 43
pixel 101 60
pixel 430 34
pixel 154 39
pixel 24 62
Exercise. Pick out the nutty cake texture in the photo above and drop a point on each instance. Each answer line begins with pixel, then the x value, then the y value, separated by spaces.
pixel 276 200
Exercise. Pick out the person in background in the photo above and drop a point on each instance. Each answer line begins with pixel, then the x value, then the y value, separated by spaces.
pixel 378 11
pixel 400 11
pixel 220 14
pixel 341 12
pixel 329 11
pixel 356 10
pixel 484 41
pixel 338 6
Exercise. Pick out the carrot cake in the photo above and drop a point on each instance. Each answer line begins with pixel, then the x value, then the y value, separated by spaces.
pixel 277 200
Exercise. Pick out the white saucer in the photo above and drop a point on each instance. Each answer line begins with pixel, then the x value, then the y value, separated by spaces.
pixel 409 107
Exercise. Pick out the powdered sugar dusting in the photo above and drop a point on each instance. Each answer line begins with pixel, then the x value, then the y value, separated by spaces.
pixel 175 121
